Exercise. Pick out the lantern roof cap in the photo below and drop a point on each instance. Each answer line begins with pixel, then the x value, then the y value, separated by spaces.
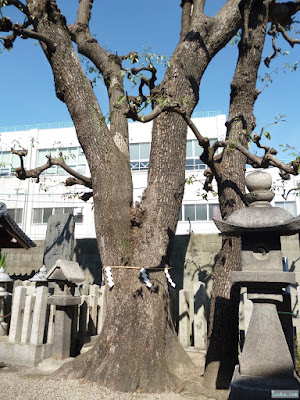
pixel 259 216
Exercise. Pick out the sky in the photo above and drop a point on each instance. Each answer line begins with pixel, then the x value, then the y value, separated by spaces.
pixel 27 87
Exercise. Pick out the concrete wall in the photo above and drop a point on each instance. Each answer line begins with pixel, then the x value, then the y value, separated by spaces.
pixel 23 264
pixel 193 259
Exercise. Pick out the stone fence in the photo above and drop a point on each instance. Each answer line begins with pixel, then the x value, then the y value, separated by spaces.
pixel 31 321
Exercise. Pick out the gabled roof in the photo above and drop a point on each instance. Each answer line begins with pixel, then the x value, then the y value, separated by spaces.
pixel 11 235
pixel 65 270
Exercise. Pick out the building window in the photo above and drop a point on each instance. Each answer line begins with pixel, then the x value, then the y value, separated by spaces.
pixel 139 156
pixel 289 206
pixel 199 212
pixel 9 162
pixel 73 156
pixel 193 153
pixel 41 215
pixel 16 214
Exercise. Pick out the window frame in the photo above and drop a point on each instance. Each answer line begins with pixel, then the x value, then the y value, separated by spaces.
pixel 9 167
pixel 14 216
pixel 139 164
pixel 182 214
pixel 285 203
pixel 79 217
pixel 73 162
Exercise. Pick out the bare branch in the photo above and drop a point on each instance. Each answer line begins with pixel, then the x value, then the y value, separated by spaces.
pixel 21 30
pixel 265 161
pixel 282 12
pixel 5 24
pixel 272 32
pixel 132 113
pixel 290 40
pixel 86 196
pixel 208 187
pixel 35 173
pixel 8 41
pixel 29 33
pixel 19 5
pixel 133 56
pixel 203 141
pixel 75 181
pixel 21 153
pixel 145 81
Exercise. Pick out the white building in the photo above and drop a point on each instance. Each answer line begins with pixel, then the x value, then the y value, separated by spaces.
pixel 31 204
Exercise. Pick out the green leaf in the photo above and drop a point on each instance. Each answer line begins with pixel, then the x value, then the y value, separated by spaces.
pixel 121 99
pixel 267 135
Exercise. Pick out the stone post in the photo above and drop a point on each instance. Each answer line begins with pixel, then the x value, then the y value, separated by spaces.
pixel 184 318
pixel 39 315
pixel 102 309
pixel 4 280
pixel 15 331
pixel 200 323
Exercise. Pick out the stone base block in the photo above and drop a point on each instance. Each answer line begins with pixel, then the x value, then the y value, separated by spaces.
pixel 23 354
pixel 245 387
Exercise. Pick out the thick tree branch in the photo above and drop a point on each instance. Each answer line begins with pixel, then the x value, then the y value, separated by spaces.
pixel 29 33
pixel 132 113
pixel 265 161
pixel 284 33
pixel 86 196
pixel 72 181
pixel 23 174
pixel 133 56
pixel 84 12
pixel 21 30
pixel 198 9
pixel 19 5
pixel 185 17
pixel 282 12
pixel 203 141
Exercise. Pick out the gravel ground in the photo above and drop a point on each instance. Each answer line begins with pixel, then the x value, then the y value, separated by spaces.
pixel 21 383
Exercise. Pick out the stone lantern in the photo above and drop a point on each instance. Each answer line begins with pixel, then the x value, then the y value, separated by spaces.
pixel 265 363
pixel 4 280
pixel 65 274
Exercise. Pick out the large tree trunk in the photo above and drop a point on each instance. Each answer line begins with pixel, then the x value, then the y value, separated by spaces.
pixel 138 348
pixel 222 354
pixel 135 349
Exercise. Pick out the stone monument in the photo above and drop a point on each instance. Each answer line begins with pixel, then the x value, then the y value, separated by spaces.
pixel 265 364
pixel 59 242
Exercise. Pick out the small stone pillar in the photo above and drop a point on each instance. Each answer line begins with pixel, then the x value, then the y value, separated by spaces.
pixel 40 277
pixel 265 363
pixel 4 279
pixel 65 274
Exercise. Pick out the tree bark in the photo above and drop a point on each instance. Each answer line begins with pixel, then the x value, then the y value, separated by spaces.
pixel 222 354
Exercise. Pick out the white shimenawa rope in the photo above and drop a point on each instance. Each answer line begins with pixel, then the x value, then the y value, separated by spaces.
pixel 145 278
pixel 109 277
pixel 169 278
